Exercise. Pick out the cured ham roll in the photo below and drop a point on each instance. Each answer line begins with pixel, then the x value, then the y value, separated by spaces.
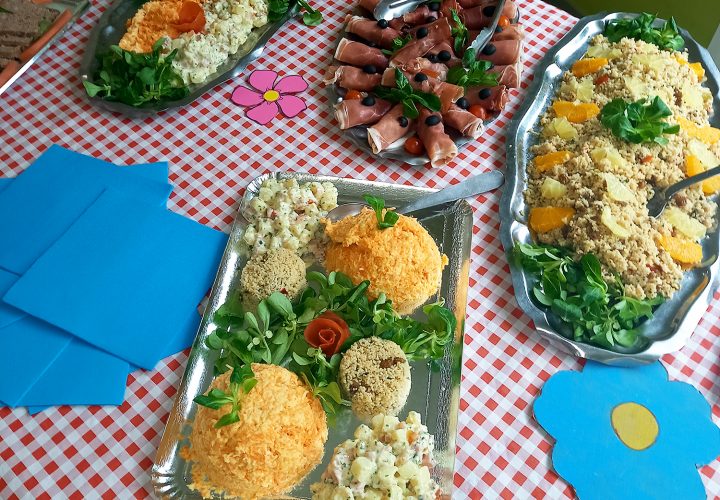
pixel 445 46
pixel 467 123
pixel 359 54
pixel 447 6
pixel 495 100
pixel 512 32
pixel 431 69
pixel 447 92
pixel 370 31
pixel 352 112
pixel 502 52
pixel 438 31
pixel 368 5
pixel 352 78
pixel 469 4
pixel 418 16
pixel 439 146
pixel 508 75
pixel 389 129
pixel 475 19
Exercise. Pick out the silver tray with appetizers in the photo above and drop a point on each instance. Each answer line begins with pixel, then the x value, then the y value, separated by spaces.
pixel 114 25
pixel 189 440
pixel 674 320
pixel 33 28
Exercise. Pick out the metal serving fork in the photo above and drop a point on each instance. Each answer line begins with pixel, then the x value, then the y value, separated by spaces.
pixel 657 203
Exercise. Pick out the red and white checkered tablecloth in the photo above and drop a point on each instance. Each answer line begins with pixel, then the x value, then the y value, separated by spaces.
pixel 213 151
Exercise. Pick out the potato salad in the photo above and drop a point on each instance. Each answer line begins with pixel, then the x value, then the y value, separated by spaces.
pixel 388 460
pixel 286 214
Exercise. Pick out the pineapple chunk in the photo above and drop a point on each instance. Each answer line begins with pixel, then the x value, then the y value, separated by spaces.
pixel 606 52
pixel 562 127
pixel 617 189
pixel 692 228
pixel 552 189
pixel 612 224
pixel 702 152
pixel 691 95
pixel 611 154
pixel 638 89
pixel 583 89
pixel 650 61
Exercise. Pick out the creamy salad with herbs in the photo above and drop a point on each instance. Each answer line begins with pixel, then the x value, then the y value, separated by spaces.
pixel 228 25
pixel 391 459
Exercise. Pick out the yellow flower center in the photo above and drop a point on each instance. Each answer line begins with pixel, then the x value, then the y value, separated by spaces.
pixel 271 95
pixel 635 425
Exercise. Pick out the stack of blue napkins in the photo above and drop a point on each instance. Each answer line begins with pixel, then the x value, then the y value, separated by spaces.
pixel 97 278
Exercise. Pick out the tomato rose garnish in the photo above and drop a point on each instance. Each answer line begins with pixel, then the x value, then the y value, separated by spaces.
pixel 328 332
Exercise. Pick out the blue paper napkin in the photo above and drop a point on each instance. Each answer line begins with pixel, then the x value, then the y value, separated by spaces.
pixel 133 288
pixel 4 182
pixel 54 191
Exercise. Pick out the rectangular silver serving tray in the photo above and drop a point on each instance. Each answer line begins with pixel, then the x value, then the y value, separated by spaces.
pixel 676 319
pixel 77 7
pixel 434 393
pixel 112 26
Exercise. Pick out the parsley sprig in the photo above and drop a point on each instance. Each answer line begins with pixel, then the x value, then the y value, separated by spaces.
pixel 397 44
pixel 596 311
pixel 408 96
pixel 458 31
pixel 639 121
pixel 274 334
pixel 136 79
pixel 278 8
pixel 472 73
pixel 641 28
pixel 378 204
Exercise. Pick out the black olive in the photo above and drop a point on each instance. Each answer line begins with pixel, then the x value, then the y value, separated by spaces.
pixel 368 101
pixel 432 120
pixel 370 69
pixel 444 56
pixel 489 49
pixel 498 29
pixel 462 103
pixel 488 11
pixel 434 6
pixel 484 93
pixel 403 121
pixel 383 23
pixel 422 32
pixel 420 77
pixel 430 19
pixel 433 58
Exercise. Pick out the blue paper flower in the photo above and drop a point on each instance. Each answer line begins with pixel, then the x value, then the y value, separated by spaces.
pixel 628 432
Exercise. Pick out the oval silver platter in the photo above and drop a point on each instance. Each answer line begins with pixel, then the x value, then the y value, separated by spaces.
pixel 675 320
pixel 77 7
pixel 435 392
pixel 358 134
pixel 112 26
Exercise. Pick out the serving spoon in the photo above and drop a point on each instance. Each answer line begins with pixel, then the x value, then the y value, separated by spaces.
pixel 464 189
pixel 657 203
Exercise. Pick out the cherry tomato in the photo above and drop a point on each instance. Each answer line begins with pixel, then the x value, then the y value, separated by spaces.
pixel 353 94
pixel 503 22
pixel 414 145
pixel 601 79
pixel 478 111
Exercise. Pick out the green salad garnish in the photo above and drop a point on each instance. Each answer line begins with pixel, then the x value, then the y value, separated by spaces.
pixel 596 311
pixel 639 121
pixel 378 204
pixel 641 28
pixel 408 96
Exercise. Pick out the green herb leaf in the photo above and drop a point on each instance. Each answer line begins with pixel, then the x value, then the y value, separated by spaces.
pixel 405 94
pixel 641 28
pixel 459 32
pixel 311 17
pixel 386 220
pixel 397 44
pixel 5 11
pixel 472 73
pixel 639 121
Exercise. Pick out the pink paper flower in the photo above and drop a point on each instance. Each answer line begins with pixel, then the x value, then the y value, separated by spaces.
pixel 267 97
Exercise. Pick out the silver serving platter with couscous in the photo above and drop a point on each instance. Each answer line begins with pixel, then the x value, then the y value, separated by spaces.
pixel 674 320
pixel 435 390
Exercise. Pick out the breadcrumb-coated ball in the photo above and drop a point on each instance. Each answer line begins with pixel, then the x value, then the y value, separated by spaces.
pixel 279 439
pixel 278 270
pixel 375 373
pixel 402 261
